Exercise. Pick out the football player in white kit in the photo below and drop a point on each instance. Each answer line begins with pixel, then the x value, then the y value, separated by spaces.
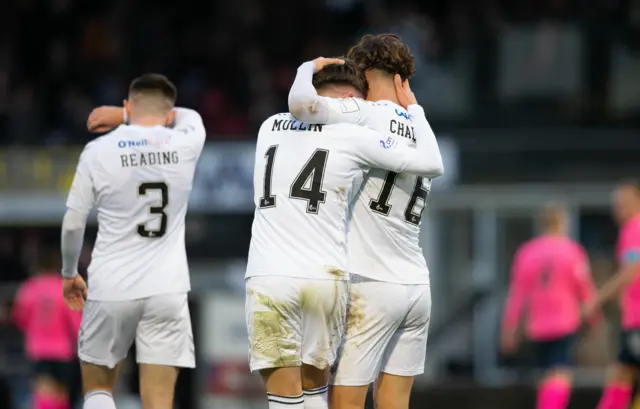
pixel 390 294
pixel 138 177
pixel 296 282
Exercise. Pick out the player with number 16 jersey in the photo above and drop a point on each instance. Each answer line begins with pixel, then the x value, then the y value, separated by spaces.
pixel 390 278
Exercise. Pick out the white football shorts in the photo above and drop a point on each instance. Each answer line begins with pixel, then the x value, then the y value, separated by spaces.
pixel 292 321
pixel 387 326
pixel 160 326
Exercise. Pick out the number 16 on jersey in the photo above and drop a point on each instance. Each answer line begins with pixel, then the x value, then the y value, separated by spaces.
pixel 414 209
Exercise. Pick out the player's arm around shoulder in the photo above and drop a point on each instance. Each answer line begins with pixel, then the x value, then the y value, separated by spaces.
pixel 106 118
pixel 378 150
pixel 307 106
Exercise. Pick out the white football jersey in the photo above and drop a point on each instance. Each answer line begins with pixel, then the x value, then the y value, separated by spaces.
pixel 384 234
pixel 305 177
pixel 385 223
pixel 139 179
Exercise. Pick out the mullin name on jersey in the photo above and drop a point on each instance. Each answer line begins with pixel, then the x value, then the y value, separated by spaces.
pixel 147 158
pixel 293 125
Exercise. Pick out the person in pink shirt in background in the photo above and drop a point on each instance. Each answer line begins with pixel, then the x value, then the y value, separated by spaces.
pixel 550 282
pixel 50 334
pixel 624 285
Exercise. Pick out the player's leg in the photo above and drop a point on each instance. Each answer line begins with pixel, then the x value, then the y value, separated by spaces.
pixel 274 325
pixel 323 305
pixel 622 375
pixel 107 332
pixel 374 314
pixel 554 389
pixel 405 355
pixel 164 343
pixel 315 386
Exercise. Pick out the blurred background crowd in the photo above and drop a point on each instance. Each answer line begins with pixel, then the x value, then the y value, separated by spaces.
pixel 532 100
pixel 488 62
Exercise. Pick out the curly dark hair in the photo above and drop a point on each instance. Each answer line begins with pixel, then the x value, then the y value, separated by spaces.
pixel 385 52
pixel 342 74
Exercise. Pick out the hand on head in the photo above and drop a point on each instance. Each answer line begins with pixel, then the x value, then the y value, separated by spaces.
pixel 322 62
pixel 403 92
pixel 105 118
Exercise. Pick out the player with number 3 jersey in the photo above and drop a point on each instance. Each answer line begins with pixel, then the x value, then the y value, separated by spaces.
pixel 138 177
pixel 305 179
pixel 390 279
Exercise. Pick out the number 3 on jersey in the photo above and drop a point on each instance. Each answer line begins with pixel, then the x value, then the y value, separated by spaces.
pixel 381 204
pixel 143 189
pixel 306 186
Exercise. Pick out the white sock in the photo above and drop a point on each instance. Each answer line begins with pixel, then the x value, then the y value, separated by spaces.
pixel 285 402
pixel 316 398
pixel 98 400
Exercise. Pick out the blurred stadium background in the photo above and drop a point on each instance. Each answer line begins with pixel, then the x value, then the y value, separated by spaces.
pixel 532 100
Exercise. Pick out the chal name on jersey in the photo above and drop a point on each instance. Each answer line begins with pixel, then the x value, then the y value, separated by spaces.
pixel 149 159
pixel 403 130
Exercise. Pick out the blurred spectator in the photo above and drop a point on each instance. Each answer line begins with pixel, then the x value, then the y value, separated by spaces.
pixel 235 61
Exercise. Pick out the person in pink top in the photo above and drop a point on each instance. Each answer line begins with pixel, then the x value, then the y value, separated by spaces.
pixel 624 285
pixel 50 335
pixel 550 282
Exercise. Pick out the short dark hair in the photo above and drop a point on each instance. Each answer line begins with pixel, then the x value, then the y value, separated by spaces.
pixel 342 74
pixel 384 52
pixel 154 84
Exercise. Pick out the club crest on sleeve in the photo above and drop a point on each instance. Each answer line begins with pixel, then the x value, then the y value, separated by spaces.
pixel 388 143
pixel 348 105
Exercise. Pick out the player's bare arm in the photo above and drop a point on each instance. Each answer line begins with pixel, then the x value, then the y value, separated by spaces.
pixel 306 105
pixel 106 118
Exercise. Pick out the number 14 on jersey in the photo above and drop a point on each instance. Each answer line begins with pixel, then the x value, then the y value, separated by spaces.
pixel 312 174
